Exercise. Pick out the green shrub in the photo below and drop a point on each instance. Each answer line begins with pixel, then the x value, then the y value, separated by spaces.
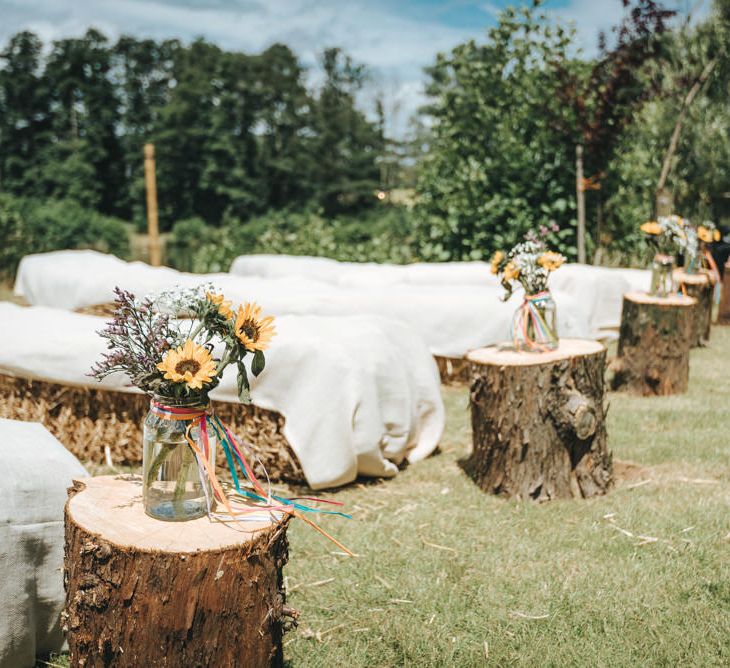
pixel 384 234
pixel 33 226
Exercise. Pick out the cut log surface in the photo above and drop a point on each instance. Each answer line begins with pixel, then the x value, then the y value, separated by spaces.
pixel 539 423
pixel 654 342
pixel 701 287
pixel 141 592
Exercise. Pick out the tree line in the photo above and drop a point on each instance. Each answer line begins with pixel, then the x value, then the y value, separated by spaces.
pixel 235 134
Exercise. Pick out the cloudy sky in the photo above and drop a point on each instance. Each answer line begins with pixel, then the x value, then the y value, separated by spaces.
pixel 395 38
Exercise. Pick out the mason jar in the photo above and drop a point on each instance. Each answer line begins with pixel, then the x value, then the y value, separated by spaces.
pixel 176 487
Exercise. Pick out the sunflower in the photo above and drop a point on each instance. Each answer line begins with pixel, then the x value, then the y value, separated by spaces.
pixel 223 304
pixel 704 234
pixel 496 261
pixel 190 364
pixel 551 261
pixel 253 331
pixel 511 272
pixel 651 227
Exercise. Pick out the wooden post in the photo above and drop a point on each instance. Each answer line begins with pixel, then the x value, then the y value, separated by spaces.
pixel 664 202
pixel 723 314
pixel 140 592
pixel 153 229
pixel 581 203
pixel 538 422
pixel 700 286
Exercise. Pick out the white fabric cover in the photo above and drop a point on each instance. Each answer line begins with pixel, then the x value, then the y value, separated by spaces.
pixel 451 317
pixel 359 394
pixel 599 290
pixel 36 472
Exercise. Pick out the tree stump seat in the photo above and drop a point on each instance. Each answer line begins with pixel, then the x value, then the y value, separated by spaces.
pixel 539 423
pixel 654 343
pixel 700 286
pixel 141 592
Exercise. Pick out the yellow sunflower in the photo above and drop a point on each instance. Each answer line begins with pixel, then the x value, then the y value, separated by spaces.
pixel 716 236
pixel 651 227
pixel 253 331
pixel 511 272
pixel 223 304
pixel 190 364
pixel 551 261
pixel 496 261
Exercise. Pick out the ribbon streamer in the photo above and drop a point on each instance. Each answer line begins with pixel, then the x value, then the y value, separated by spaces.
pixel 264 499
pixel 530 313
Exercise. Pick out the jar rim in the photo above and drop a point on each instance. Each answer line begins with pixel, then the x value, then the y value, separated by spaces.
pixel 181 402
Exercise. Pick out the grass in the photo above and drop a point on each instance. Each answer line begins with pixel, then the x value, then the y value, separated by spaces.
pixel 449 576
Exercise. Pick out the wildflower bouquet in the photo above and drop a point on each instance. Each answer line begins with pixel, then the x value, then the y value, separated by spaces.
pixel 175 358
pixel 530 263
pixel 669 235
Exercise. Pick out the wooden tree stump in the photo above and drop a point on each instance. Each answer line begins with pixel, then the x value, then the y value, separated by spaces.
pixel 654 342
pixel 140 592
pixel 702 287
pixel 723 313
pixel 538 422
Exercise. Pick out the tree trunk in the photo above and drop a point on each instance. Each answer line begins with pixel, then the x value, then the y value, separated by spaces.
pixel 654 342
pixel 539 423
pixel 580 204
pixel 701 287
pixel 140 592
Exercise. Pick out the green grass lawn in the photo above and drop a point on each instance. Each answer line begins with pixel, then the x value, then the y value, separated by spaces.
pixel 449 576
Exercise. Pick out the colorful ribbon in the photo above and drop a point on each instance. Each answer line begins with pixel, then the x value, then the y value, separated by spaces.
pixel 207 422
pixel 530 313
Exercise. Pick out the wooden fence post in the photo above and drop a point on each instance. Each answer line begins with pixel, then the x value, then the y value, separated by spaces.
pixel 581 203
pixel 153 229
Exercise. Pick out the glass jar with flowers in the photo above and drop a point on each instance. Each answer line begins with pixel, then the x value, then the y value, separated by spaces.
pixel 707 235
pixel 530 263
pixel 167 347
pixel 668 236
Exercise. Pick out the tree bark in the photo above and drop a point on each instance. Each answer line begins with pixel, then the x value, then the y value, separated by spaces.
pixel 538 422
pixel 140 592
pixel 654 342
pixel 700 286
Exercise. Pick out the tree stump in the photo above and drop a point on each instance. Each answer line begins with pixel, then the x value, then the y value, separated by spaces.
pixel 701 286
pixel 654 342
pixel 140 592
pixel 538 422
pixel 723 313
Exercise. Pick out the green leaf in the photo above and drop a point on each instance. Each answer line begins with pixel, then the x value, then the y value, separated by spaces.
pixel 258 363
pixel 244 389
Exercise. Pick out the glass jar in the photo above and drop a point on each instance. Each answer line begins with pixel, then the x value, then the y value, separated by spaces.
pixel 175 487
pixel 535 327
pixel 662 276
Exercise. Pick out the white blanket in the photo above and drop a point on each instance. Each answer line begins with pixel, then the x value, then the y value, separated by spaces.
pixel 359 394
pixel 35 474
pixel 451 318
pixel 599 290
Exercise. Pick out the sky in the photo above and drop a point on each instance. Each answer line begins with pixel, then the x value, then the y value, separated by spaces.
pixel 396 39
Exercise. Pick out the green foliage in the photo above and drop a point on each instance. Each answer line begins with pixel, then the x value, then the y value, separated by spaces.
pixel 32 226
pixel 496 167
pixel 384 234
pixel 236 135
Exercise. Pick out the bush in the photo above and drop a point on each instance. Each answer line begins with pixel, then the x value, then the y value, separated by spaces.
pixel 383 235
pixel 33 226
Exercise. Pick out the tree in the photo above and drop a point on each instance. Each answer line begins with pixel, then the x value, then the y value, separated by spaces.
pixel 24 115
pixel 606 97
pixel 496 166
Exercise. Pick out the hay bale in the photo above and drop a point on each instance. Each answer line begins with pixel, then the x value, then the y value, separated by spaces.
pixel 87 421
